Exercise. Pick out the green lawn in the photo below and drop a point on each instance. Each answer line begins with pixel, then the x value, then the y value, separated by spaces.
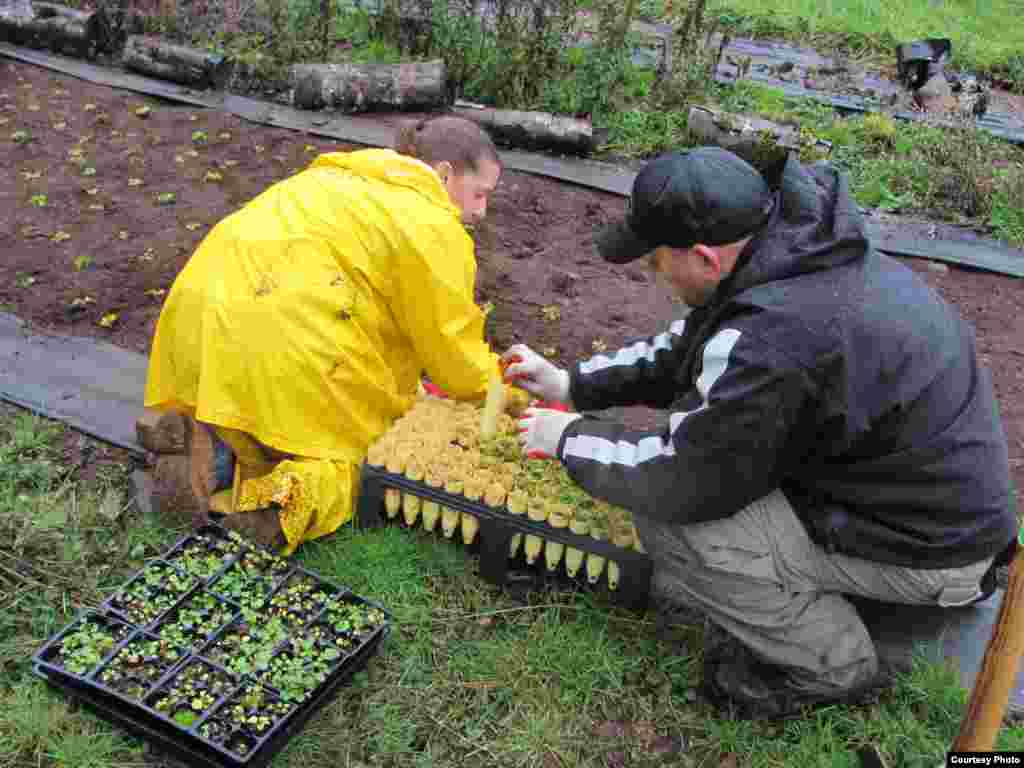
pixel 986 34
pixel 469 676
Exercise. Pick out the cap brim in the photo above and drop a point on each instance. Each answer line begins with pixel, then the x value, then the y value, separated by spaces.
pixel 619 244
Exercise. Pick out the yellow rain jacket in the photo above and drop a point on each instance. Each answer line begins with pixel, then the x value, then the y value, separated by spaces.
pixel 306 318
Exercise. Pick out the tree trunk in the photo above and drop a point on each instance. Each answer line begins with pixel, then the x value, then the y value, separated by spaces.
pixel 177 63
pixel 532 130
pixel 363 87
pixel 47 25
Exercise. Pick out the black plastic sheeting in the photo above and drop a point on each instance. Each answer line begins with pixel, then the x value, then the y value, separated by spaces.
pixel 933 633
pixel 987 255
pixel 93 386
pixel 768 57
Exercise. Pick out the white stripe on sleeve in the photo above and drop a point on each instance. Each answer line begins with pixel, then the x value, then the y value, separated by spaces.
pixel 715 361
pixel 633 354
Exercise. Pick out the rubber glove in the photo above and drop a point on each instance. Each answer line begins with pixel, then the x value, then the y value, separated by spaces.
pixel 540 430
pixel 526 369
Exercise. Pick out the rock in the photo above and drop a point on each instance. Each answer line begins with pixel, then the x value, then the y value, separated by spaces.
pixel 162 432
pixel 565 283
pixel 939 267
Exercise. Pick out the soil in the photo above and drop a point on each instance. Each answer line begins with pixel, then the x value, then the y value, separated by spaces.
pixel 535 253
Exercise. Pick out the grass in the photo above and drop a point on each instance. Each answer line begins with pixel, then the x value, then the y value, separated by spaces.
pixel 983 37
pixel 958 174
pixel 470 676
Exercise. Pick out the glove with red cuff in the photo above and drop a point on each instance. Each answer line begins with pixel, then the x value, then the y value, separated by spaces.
pixel 528 370
pixel 540 431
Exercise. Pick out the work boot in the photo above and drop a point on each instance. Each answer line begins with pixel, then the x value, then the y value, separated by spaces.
pixel 261 526
pixel 738 682
pixel 211 466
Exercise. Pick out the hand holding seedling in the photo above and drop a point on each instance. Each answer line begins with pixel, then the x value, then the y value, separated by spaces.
pixel 526 369
pixel 540 431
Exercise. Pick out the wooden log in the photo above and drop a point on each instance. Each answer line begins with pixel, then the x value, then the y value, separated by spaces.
pixel 532 130
pixel 364 87
pixel 761 143
pixel 57 27
pixel 178 63
pixel 96 22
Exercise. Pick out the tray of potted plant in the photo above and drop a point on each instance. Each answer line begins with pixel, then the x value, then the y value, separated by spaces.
pixel 435 469
pixel 217 651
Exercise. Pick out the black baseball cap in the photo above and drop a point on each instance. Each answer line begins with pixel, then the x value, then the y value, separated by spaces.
pixel 707 195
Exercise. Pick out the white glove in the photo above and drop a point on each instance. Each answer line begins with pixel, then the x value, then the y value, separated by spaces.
pixel 536 375
pixel 540 430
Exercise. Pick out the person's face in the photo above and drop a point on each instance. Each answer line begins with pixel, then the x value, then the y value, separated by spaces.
pixel 470 190
pixel 692 273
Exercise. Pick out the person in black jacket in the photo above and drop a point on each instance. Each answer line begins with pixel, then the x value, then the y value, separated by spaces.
pixel 830 432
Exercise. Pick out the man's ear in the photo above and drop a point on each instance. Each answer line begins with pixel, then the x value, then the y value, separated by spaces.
pixel 710 260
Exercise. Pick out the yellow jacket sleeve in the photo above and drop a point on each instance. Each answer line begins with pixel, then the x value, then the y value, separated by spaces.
pixel 436 310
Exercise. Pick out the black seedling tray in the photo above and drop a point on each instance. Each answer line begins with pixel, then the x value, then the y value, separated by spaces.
pixel 176 696
pixel 498 526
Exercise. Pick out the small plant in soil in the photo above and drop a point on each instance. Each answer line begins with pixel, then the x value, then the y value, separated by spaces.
pixel 191 692
pixel 236 585
pixel 191 623
pixel 84 647
pixel 259 562
pixel 140 663
pixel 326 636
pixel 248 645
pixel 297 671
pixel 152 593
pixel 203 555
pixel 254 709
pixel 300 600
pixel 357 619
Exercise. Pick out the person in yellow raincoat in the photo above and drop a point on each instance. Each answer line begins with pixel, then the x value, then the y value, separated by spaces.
pixel 298 331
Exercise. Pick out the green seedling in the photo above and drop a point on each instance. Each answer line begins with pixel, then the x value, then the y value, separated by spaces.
pixel 82 262
pixel 166 198
pixel 39 201
pixel 199 137
pixel 21 137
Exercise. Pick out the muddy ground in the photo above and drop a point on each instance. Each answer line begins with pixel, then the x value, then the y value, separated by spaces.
pixel 97 254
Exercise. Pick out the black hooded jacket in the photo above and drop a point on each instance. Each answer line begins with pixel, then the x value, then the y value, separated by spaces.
pixel 820 367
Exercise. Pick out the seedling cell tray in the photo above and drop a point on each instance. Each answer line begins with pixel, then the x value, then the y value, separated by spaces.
pixel 217 652
pixel 497 529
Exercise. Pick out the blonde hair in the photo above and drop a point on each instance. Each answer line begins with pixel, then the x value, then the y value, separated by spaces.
pixel 445 138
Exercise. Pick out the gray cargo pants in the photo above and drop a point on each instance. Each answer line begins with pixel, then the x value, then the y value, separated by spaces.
pixel 759 576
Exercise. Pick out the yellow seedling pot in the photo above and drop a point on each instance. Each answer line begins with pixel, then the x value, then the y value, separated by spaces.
pixel 392 502
pixel 573 561
pixel 532 547
pixel 595 567
pixel 558 517
pixel 449 516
